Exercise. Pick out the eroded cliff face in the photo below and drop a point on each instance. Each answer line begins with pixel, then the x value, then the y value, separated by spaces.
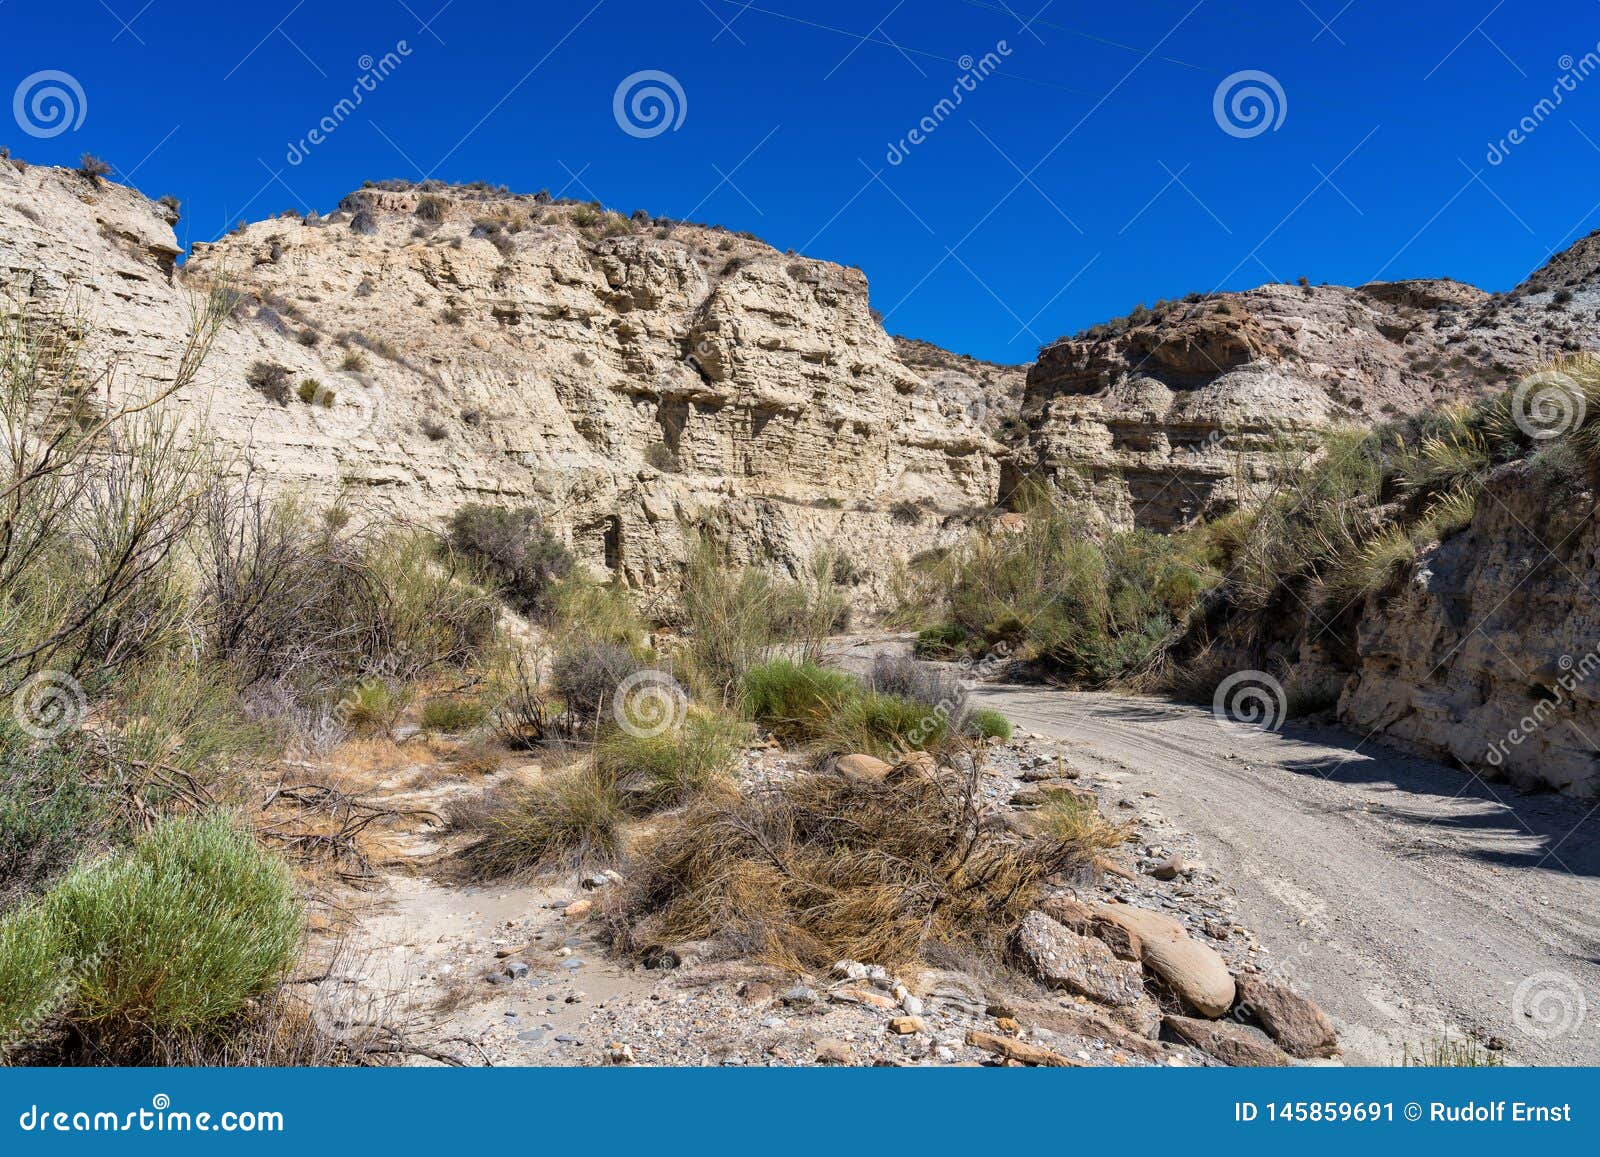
pixel 1178 413
pixel 1487 653
pixel 633 380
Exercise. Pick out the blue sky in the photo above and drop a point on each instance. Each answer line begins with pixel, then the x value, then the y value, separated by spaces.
pixel 1085 172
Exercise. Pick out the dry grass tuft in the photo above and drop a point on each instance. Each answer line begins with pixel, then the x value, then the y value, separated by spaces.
pixel 569 819
pixel 821 869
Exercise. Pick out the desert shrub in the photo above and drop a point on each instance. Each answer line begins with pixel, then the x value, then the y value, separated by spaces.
pixel 987 723
pixel 944 641
pixel 821 869
pixel 586 673
pixel 451 713
pixel 99 496
pixel 516 549
pixel 793 698
pixel 660 455
pixel 1078 824
pixel 739 617
pixel 570 818
pixel 312 392
pixel 923 683
pixel 92 168
pixel 1091 609
pixel 49 814
pixel 883 725
pixel 32 990
pixel 603 612
pixel 177 934
pixel 432 208
pixel 370 705
pixel 676 765
pixel 270 380
pixel 176 715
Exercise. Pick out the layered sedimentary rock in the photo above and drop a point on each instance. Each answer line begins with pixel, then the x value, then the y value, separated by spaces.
pixel 1179 412
pixel 1487 654
pixel 635 380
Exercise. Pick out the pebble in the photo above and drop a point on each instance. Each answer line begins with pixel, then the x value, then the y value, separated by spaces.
pixel 516 970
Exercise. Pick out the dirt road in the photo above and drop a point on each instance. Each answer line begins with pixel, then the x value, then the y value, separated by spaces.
pixel 1410 899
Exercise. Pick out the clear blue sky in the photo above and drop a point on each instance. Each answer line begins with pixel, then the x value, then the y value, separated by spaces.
pixel 1085 173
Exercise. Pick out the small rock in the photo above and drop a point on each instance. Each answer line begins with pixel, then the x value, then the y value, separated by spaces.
pixel 516 969
pixel 912 1004
pixel 1230 1043
pixel 756 991
pixel 578 909
pixel 798 995
pixel 1170 868
pixel 850 970
pixel 1299 1027
pixel 905 1025
pixel 1007 1024
pixel 621 1054
pixel 835 1052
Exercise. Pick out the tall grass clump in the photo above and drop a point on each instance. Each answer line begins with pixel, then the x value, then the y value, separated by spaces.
pixel 665 769
pixel 740 617
pixel 522 556
pixel 794 698
pixel 570 818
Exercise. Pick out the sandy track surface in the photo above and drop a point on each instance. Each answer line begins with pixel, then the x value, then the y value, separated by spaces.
pixel 1410 899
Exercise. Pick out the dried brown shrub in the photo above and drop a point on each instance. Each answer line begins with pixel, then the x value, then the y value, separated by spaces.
pixel 821 869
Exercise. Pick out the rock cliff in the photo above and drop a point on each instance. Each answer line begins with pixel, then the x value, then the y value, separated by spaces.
pixel 634 379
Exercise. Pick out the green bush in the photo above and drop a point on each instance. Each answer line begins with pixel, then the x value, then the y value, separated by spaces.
pixel 944 641
pixel 177 934
pixel 523 557
pixel 32 985
pixel 793 699
pixel 670 768
pixel 987 723
pixel 452 713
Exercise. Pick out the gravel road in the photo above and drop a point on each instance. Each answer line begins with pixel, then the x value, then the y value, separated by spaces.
pixel 1410 899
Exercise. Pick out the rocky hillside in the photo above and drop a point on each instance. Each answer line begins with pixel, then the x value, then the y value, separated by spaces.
pixel 1174 413
pixel 634 379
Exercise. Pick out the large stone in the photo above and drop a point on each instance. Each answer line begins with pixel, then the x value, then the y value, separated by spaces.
pixel 1086 921
pixel 1301 1028
pixel 1194 972
pixel 1230 1043
pixel 1061 958
pixel 1019 1052
pixel 862 768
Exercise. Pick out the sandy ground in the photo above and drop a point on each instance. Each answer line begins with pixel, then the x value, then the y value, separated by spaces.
pixel 1411 899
